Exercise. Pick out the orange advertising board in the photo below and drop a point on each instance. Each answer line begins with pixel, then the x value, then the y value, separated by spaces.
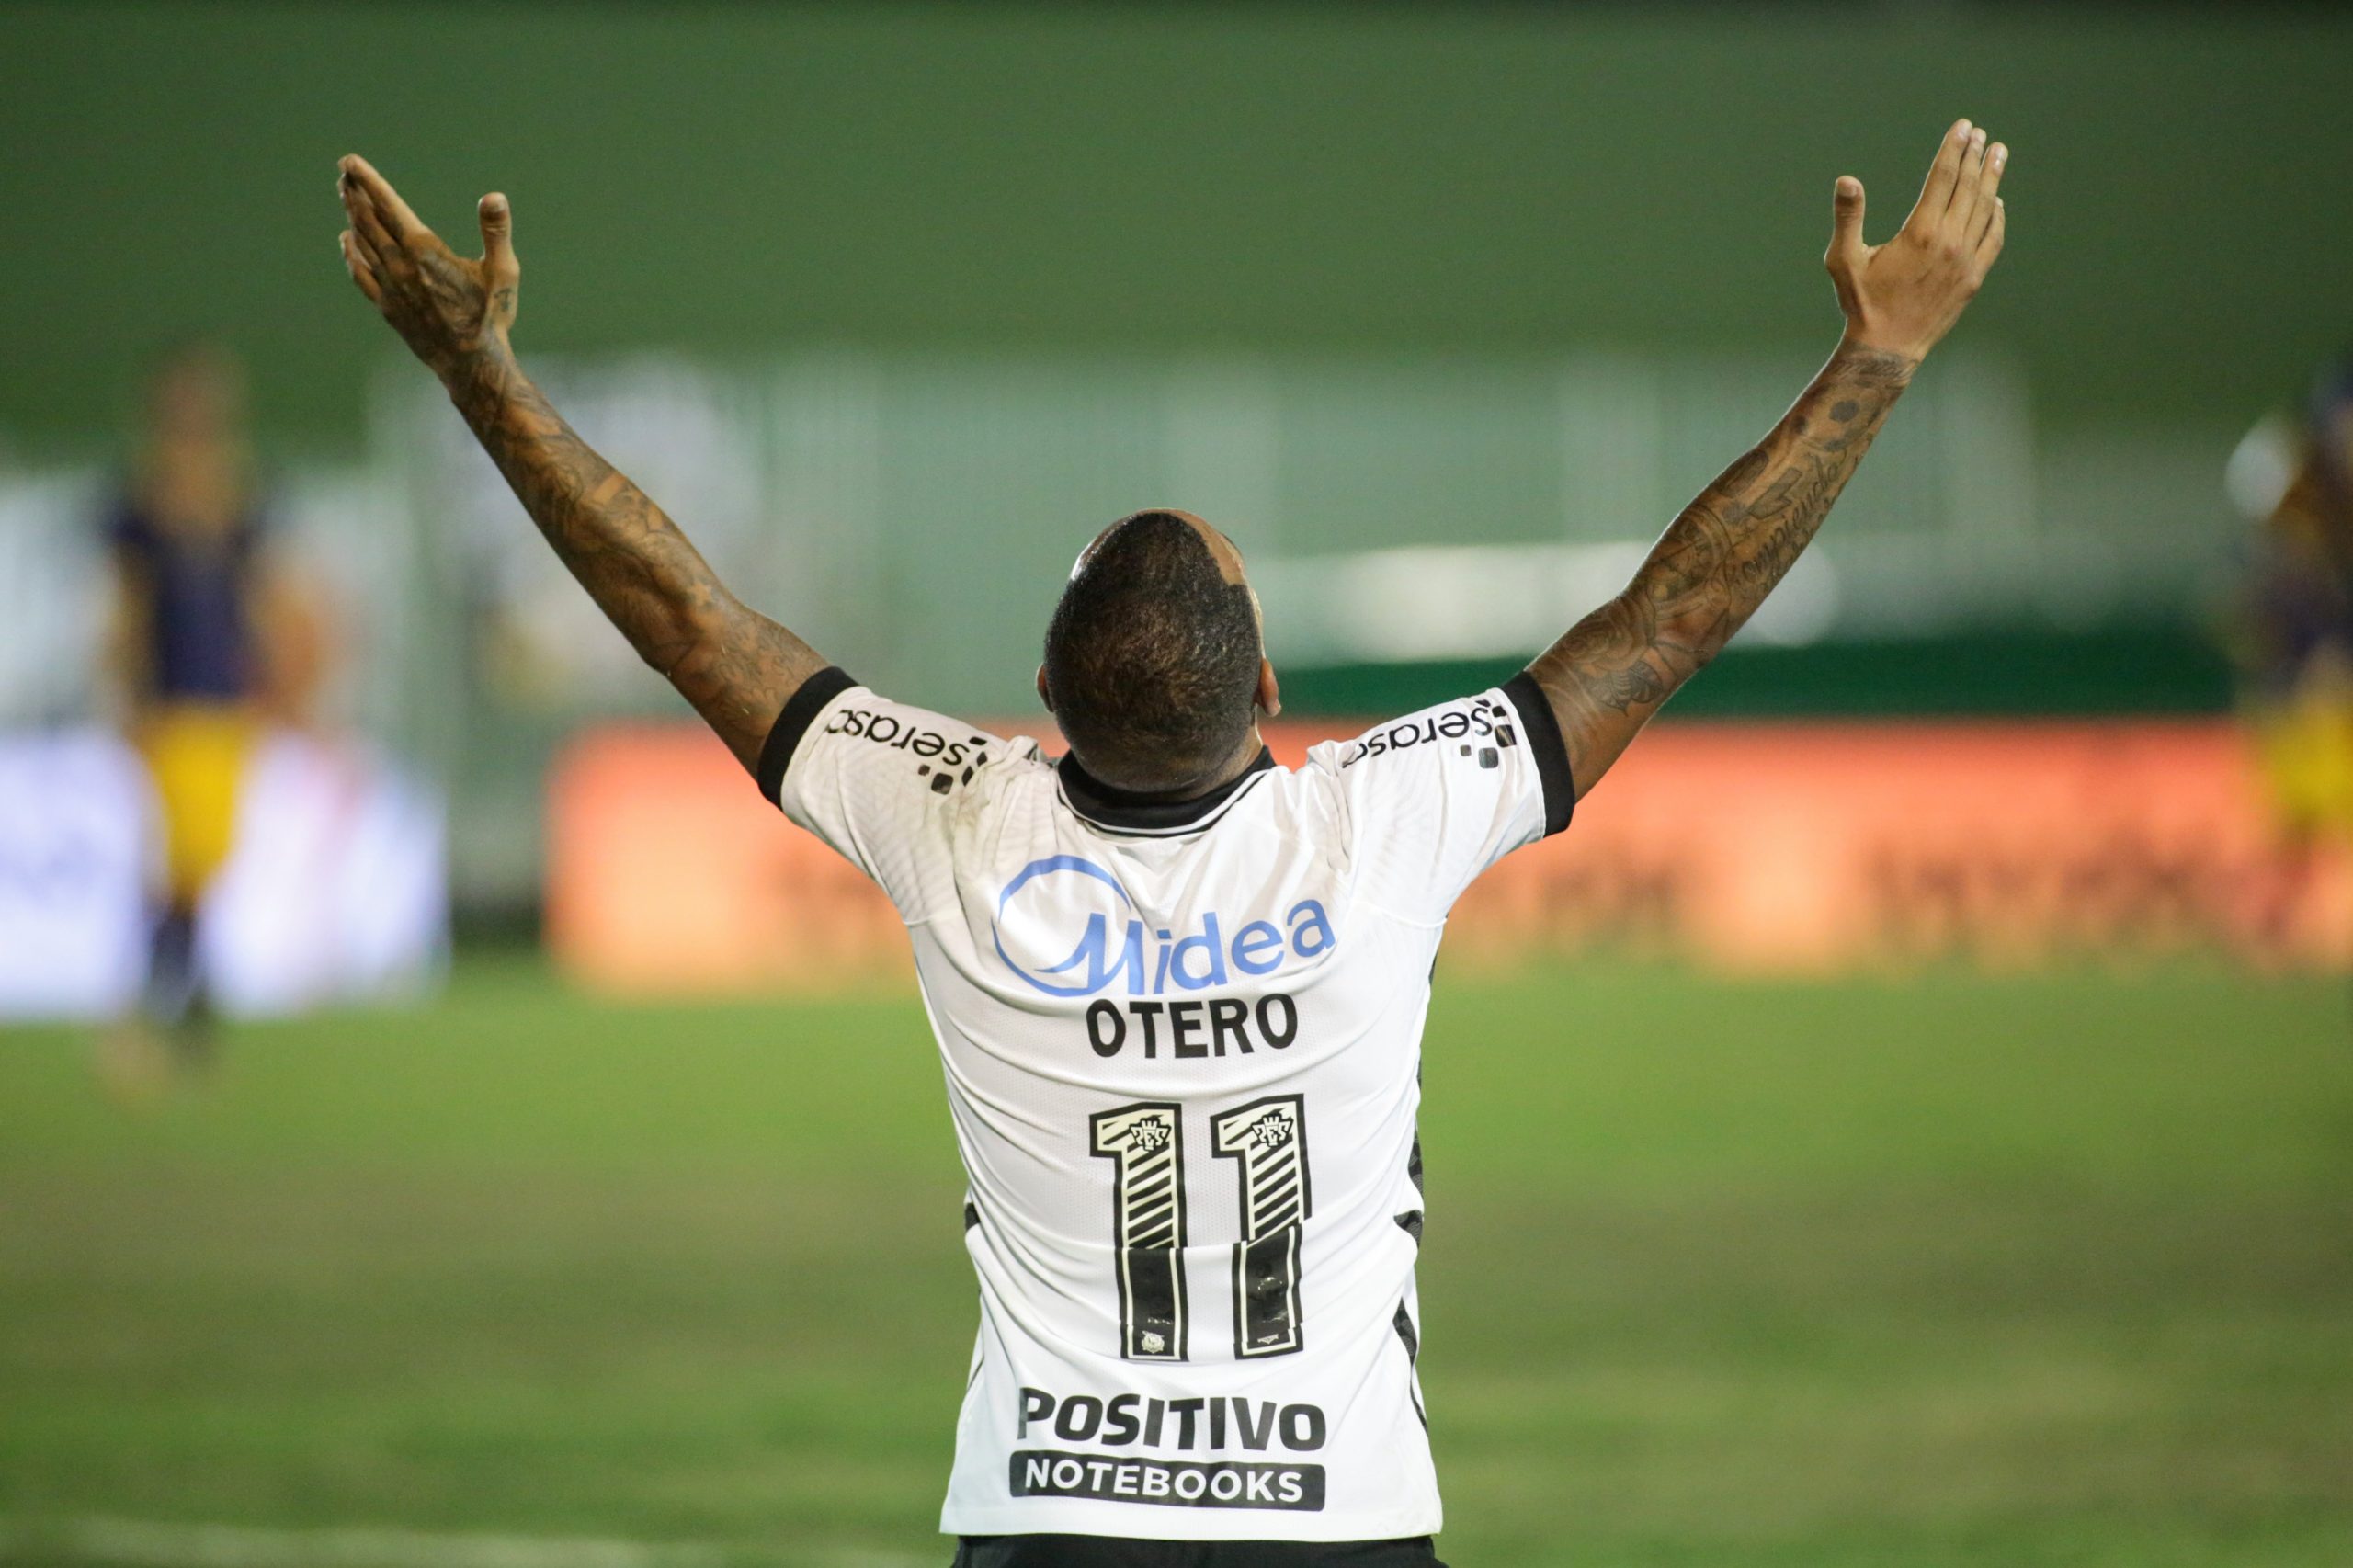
pixel 1772 847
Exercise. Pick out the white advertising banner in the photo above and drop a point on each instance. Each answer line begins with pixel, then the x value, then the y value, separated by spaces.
pixel 76 830
pixel 337 890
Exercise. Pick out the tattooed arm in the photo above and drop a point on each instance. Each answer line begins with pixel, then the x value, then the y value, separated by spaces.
pixel 1716 562
pixel 1714 566
pixel 736 666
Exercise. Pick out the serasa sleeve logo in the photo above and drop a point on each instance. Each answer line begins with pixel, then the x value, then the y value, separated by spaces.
pixel 1066 927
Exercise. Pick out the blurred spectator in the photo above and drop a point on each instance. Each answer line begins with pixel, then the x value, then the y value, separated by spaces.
pixel 211 641
pixel 2296 480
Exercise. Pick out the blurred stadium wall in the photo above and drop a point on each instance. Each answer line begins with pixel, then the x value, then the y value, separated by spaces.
pixel 1442 308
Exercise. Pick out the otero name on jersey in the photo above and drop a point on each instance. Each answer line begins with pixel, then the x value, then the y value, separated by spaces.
pixel 1182 1049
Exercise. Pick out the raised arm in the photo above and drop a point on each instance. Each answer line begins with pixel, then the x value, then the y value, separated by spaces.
pixel 1716 562
pixel 737 668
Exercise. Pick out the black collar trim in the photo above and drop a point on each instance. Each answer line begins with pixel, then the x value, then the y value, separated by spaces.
pixel 1120 810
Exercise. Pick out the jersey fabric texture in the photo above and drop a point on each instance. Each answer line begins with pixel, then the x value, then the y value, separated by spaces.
pixel 1182 1045
pixel 199 590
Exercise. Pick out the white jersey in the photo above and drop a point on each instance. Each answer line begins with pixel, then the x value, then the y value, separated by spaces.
pixel 1183 1051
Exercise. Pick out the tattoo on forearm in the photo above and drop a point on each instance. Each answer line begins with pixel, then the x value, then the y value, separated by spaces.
pixel 1716 562
pixel 735 666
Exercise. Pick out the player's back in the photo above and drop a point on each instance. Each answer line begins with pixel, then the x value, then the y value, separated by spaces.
pixel 1182 1051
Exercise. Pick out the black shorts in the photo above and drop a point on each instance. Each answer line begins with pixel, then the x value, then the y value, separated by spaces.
pixel 1113 1551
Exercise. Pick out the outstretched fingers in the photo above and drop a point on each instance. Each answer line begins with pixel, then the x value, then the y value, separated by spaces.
pixel 361 266
pixel 1991 245
pixel 368 223
pixel 397 217
pixel 357 247
pixel 1989 200
pixel 1972 175
pixel 1944 175
pixel 1961 218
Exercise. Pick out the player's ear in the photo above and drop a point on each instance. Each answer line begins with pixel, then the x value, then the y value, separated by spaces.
pixel 1271 691
pixel 1044 696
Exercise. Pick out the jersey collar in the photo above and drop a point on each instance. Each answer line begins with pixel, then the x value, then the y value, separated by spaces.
pixel 1120 810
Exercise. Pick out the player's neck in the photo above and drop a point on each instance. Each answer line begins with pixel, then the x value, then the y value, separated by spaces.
pixel 1245 757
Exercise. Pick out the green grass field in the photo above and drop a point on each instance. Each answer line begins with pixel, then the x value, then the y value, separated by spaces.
pixel 1950 1270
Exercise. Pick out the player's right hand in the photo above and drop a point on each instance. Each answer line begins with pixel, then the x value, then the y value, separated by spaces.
pixel 1905 295
pixel 447 309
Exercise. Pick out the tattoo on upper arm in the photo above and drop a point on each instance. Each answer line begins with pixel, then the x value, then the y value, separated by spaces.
pixel 737 668
pixel 1716 562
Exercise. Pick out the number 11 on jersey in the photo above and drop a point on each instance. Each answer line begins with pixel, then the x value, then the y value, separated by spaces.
pixel 1147 1225
pixel 1268 1140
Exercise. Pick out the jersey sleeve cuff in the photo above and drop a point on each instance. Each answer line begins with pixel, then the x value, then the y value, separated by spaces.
pixel 1542 731
pixel 800 710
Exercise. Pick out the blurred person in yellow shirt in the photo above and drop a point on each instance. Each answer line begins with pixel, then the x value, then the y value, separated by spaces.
pixel 2296 480
pixel 211 642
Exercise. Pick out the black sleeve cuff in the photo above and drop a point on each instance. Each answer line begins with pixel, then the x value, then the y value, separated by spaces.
pixel 1542 734
pixel 800 711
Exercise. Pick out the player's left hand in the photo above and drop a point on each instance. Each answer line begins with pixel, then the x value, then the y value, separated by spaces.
pixel 447 309
pixel 1904 296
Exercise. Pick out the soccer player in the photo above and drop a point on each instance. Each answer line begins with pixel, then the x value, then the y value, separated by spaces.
pixel 1179 991
pixel 2297 651
pixel 211 639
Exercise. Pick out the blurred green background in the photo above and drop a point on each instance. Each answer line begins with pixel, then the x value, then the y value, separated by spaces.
pixel 897 304
pixel 1520 177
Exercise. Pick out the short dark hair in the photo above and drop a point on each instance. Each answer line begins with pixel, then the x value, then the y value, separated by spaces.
pixel 1152 658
